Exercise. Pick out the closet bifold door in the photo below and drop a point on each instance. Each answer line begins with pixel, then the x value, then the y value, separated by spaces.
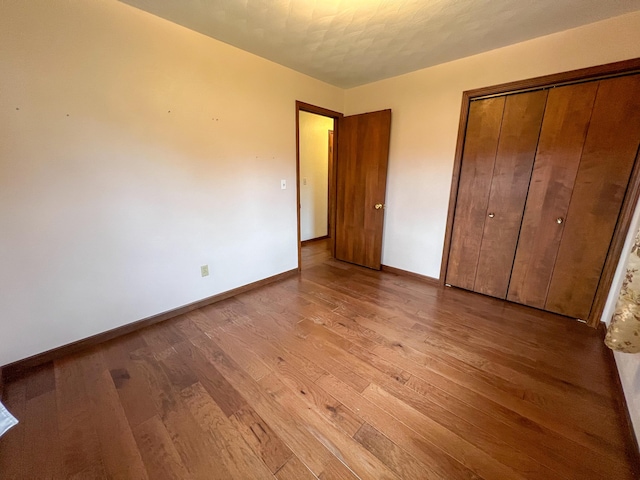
pixel 605 168
pixel 564 129
pixel 586 152
pixel 500 144
pixel 519 134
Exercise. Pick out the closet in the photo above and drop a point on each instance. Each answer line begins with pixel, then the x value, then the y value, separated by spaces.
pixel 543 178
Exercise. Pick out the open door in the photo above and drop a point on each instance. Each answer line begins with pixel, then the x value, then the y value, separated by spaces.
pixel 361 170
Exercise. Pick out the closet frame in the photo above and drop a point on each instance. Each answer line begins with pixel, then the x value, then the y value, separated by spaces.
pixel 632 194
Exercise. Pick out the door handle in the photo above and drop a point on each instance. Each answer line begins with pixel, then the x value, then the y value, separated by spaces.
pixel 378 206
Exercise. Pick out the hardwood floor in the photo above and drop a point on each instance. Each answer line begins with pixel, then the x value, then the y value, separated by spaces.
pixel 315 252
pixel 340 373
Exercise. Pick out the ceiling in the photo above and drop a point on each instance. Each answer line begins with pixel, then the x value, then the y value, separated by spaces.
pixel 352 42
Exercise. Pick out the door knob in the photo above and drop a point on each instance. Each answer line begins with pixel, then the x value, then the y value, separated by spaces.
pixel 559 220
pixel 491 215
pixel 378 206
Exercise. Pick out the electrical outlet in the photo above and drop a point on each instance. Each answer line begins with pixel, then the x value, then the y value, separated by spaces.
pixel 204 270
pixel 283 184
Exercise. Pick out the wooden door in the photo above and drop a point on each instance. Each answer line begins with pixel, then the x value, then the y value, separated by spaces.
pixel 519 134
pixel 478 159
pixel 564 129
pixel 500 145
pixel 607 160
pixel 363 153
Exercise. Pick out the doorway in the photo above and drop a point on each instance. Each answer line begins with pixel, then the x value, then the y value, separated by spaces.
pixel 316 137
pixel 356 183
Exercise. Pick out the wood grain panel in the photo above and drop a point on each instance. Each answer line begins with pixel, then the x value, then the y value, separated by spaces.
pixel 607 160
pixel 564 129
pixel 483 133
pixel 363 154
pixel 519 134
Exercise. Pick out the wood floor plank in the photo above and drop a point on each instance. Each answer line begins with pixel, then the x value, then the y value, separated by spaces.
pixel 504 367
pixel 359 460
pixel 394 346
pixel 437 463
pixel 416 362
pixel 490 441
pixel 340 372
pixel 565 376
pixel 41 437
pixel 474 458
pixel 261 438
pixel 551 392
pixel 286 425
pixel 238 458
pixel 194 446
pixel 159 454
pixel 336 470
pixel 12 459
pixel 468 329
pixel 557 452
pixel 294 469
pixel 79 443
pixel 120 456
pixel 555 367
pixel 514 423
pixel 320 401
pixel 295 375
pixel 134 395
pixel 246 359
pixel 341 349
pixel 310 350
pixel 227 398
pixel 42 380
pixel 403 464
pixel 266 345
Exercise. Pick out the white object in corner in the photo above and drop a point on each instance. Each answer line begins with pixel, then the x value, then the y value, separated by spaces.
pixel 6 420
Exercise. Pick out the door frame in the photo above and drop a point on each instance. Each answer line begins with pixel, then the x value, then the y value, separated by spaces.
pixel 632 194
pixel 337 117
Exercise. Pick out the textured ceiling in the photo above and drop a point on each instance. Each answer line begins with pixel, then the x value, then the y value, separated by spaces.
pixel 353 42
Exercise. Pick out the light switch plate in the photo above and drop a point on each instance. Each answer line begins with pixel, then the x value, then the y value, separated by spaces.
pixel 283 184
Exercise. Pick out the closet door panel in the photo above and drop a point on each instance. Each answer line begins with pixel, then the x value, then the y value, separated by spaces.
pixel 519 134
pixel 607 160
pixel 483 131
pixel 562 138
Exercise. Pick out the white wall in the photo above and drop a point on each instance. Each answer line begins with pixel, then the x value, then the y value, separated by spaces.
pixel 108 203
pixel 314 175
pixel 425 113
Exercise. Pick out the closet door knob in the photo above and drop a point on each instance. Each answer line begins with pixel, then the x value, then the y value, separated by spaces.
pixel 378 206
pixel 491 215
pixel 559 220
